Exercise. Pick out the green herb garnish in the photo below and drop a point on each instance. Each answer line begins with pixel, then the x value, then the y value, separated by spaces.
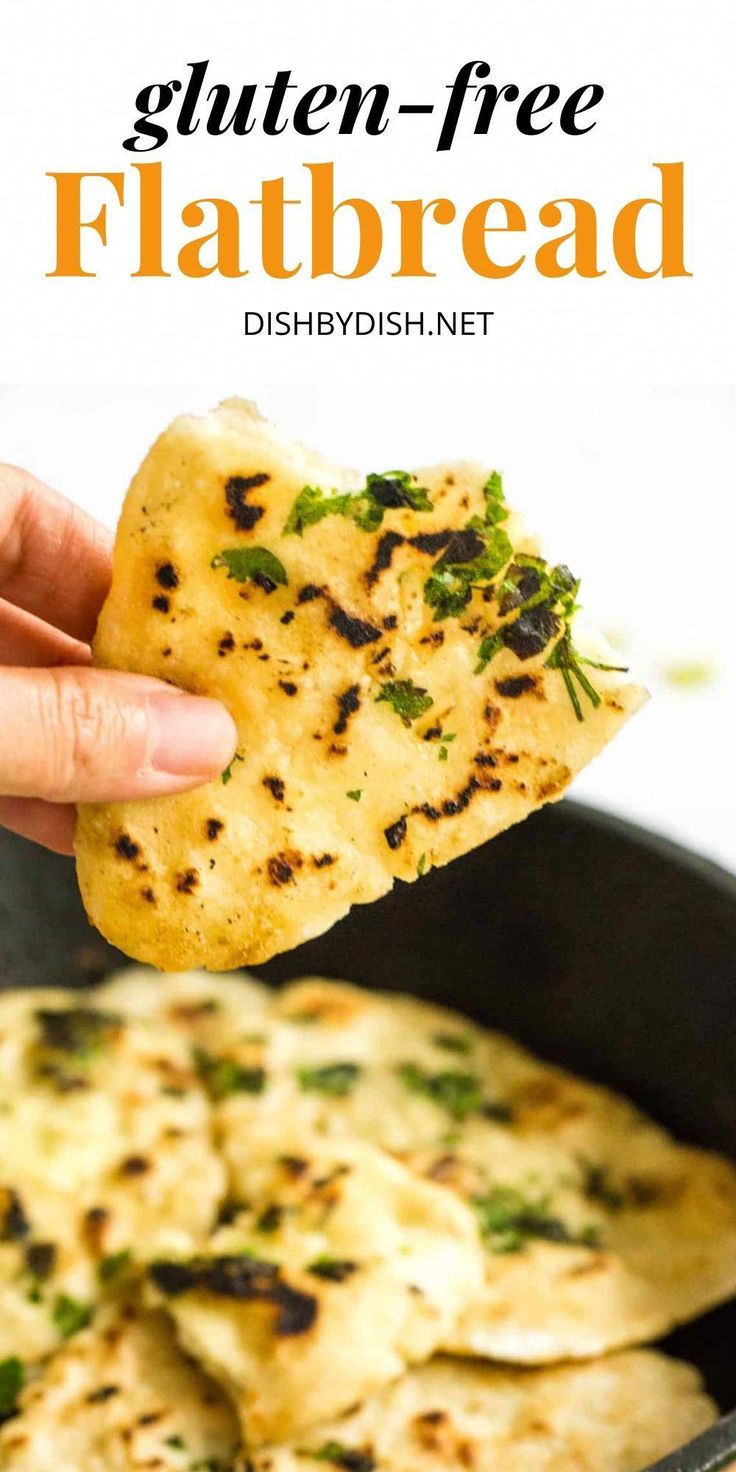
pixel 111 1266
pixel 77 1031
pixel 224 1076
pixel 508 1221
pixel 355 794
pixel 408 700
pixel 388 491
pixel 226 776
pixel 335 1079
pixel 461 1094
pixel 69 1315
pixel 252 564
pixel 489 648
pixel 496 508
pixel 452 1042
pixel 472 559
pixel 350 1459
pixel 12 1379
pixel 566 658
pixel 421 866
pixel 177 1443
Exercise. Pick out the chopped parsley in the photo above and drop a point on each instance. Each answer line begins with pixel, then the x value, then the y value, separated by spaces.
pixel 489 648
pixel 408 700
pixel 228 772
pixel 461 1094
pixel 355 794
pixel 177 1443
pixel 111 1266
pixel 335 1079
pixel 385 492
pixel 224 1076
pixel 472 559
pixel 544 601
pixel 422 865
pixel 496 508
pixel 69 1315
pixel 77 1031
pixel 252 564
pixel 508 1221
pixel 12 1379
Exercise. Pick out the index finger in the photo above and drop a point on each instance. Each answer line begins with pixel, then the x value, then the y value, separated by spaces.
pixel 54 558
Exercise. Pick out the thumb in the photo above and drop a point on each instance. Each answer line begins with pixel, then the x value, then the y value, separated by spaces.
pixel 88 735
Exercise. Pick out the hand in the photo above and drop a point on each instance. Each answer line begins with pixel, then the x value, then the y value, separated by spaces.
pixel 70 733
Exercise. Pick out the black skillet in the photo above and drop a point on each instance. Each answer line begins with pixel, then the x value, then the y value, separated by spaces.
pixel 601 946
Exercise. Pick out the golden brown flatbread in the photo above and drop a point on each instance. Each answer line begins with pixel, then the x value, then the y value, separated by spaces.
pixel 400 662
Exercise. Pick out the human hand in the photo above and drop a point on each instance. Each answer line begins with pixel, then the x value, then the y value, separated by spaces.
pixel 70 733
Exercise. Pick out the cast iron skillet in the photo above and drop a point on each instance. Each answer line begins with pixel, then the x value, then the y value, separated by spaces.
pixel 600 946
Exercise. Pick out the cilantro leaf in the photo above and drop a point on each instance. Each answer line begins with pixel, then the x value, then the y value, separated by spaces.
pixel 252 564
pixel 408 700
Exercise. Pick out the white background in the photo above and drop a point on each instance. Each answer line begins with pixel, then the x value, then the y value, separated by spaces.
pixel 632 487
pixel 71 73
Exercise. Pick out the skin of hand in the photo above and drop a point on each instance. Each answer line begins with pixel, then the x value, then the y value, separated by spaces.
pixel 70 733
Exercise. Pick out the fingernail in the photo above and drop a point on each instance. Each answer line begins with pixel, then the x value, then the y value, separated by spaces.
pixel 190 736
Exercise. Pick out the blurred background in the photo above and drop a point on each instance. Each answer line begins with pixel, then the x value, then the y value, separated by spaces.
pixel 633 487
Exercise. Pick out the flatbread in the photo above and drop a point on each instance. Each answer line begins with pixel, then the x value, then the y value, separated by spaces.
pixel 105 1155
pixel 614 1415
pixel 343 1268
pixel 122 1397
pixel 600 1230
pixel 379 733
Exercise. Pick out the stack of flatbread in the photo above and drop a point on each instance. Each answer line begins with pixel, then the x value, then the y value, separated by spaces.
pixel 246 1229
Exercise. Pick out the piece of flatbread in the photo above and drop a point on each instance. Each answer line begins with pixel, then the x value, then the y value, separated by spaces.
pixel 600 1230
pixel 613 1415
pixel 343 1268
pixel 122 1397
pixel 105 1149
pixel 371 745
